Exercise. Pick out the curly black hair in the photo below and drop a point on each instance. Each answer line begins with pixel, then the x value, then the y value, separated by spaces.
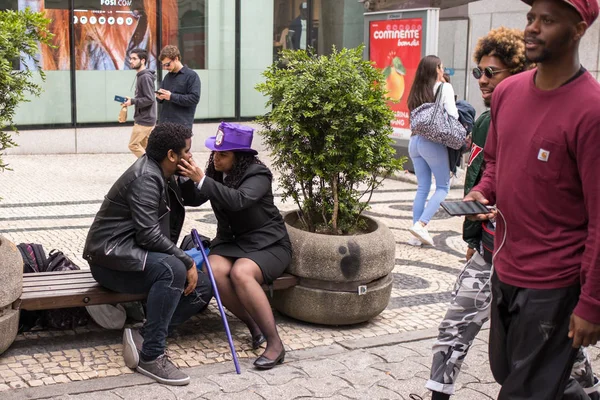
pixel 167 136
pixel 242 161
pixel 506 44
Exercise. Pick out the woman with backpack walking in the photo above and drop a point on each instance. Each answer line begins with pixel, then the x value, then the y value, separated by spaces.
pixel 429 157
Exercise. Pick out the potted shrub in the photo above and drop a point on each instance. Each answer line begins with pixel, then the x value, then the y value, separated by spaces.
pixel 20 33
pixel 329 135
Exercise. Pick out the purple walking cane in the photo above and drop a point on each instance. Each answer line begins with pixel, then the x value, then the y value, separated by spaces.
pixel 200 247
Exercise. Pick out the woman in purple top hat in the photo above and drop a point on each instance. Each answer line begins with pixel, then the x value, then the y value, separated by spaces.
pixel 252 245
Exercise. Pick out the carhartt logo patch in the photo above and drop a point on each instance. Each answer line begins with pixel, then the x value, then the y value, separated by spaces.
pixel 543 155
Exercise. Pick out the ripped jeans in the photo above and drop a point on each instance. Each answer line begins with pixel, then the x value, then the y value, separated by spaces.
pixel 163 279
pixel 530 353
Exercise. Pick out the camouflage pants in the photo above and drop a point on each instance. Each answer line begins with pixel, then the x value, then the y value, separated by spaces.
pixel 467 312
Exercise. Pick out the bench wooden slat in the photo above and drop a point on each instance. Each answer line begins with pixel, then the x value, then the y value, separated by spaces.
pixel 74 298
pixel 31 283
pixel 58 277
pixel 42 274
pixel 51 290
pixel 66 286
pixel 285 281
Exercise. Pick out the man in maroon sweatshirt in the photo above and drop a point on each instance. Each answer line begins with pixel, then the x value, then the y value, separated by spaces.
pixel 543 173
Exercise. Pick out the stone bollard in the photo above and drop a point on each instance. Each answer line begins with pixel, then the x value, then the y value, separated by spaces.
pixel 11 271
pixel 342 280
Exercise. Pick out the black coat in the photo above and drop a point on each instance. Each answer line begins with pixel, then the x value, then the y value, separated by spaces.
pixel 296 26
pixel 246 214
pixel 142 212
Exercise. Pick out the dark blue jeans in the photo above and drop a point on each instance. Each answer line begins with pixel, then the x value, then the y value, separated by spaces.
pixel 163 280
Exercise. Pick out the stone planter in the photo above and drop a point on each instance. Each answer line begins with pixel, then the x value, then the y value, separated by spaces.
pixel 11 271
pixel 341 279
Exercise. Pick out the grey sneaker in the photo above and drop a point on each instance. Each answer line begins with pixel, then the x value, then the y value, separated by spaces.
pixel 163 371
pixel 132 345
pixel 594 391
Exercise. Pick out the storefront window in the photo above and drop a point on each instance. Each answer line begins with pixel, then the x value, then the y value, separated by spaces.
pixel 104 33
pixel 204 32
pixel 256 54
pixel 53 106
pixel 292 29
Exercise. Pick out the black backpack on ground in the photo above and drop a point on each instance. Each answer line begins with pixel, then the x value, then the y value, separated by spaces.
pixel 35 260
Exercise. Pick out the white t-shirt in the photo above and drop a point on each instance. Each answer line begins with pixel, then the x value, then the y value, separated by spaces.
pixel 303 35
pixel 447 98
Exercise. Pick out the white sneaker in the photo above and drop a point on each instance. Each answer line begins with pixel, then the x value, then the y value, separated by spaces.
pixel 413 241
pixel 420 232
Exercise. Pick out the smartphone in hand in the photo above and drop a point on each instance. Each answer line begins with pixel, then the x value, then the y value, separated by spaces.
pixel 120 99
pixel 460 207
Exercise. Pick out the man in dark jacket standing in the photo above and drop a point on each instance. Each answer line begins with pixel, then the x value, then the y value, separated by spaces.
pixel 298 28
pixel 179 92
pixel 131 249
pixel 144 102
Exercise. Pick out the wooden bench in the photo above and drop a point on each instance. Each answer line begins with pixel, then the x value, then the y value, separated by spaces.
pixel 50 290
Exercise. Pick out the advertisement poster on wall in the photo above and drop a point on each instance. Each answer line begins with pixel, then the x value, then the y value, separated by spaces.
pixel 395 47
pixel 105 31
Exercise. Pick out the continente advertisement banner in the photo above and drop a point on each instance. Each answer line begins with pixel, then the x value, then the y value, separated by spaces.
pixel 395 47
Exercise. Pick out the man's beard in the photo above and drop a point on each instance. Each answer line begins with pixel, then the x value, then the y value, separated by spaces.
pixel 487 102
pixel 545 56
pixel 137 67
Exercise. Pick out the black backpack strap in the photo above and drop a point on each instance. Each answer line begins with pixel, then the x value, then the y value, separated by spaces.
pixel 29 264
pixel 40 256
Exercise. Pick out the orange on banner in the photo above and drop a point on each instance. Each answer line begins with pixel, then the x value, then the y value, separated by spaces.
pixel 395 47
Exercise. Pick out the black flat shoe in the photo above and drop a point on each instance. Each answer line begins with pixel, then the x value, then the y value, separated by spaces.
pixel 258 340
pixel 263 362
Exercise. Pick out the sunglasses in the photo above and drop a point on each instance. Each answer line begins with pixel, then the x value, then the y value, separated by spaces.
pixel 167 65
pixel 488 72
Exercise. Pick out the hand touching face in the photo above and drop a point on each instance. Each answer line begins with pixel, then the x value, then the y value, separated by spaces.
pixel 190 169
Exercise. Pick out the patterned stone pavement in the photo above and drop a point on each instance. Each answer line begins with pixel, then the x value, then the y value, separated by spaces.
pixel 52 200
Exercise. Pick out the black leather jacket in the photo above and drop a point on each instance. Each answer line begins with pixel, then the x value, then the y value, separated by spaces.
pixel 142 212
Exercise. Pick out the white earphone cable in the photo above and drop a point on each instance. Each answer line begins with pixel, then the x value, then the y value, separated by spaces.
pixel 487 284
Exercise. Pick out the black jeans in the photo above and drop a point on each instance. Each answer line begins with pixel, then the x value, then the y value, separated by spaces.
pixel 530 352
pixel 163 279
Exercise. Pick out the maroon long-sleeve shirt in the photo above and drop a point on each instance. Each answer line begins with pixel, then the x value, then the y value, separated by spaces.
pixel 543 172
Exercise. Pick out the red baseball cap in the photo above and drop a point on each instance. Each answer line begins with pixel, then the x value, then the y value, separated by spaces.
pixel 588 9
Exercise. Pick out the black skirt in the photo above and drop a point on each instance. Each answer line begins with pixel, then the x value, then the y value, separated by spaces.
pixel 272 260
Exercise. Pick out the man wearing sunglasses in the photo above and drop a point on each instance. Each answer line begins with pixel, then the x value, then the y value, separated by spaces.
pixel 179 92
pixel 498 55
pixel 542 171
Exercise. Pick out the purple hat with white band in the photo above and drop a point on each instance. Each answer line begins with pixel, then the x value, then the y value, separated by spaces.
pixel 232 137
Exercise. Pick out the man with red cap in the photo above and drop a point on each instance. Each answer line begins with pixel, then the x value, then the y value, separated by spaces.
pixel 542 167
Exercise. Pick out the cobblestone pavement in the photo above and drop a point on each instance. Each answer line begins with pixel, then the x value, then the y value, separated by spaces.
pixel 52 200
pixel 390 370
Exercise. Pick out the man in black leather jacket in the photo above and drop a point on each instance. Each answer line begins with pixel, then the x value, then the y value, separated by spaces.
pixel 131 249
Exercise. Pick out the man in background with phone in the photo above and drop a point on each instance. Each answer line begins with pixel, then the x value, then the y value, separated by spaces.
pixel 144 117
pixel 542 171
pixel 499 54
pixel 179 92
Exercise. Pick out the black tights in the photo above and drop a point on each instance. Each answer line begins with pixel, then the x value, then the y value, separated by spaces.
pixel 239 285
